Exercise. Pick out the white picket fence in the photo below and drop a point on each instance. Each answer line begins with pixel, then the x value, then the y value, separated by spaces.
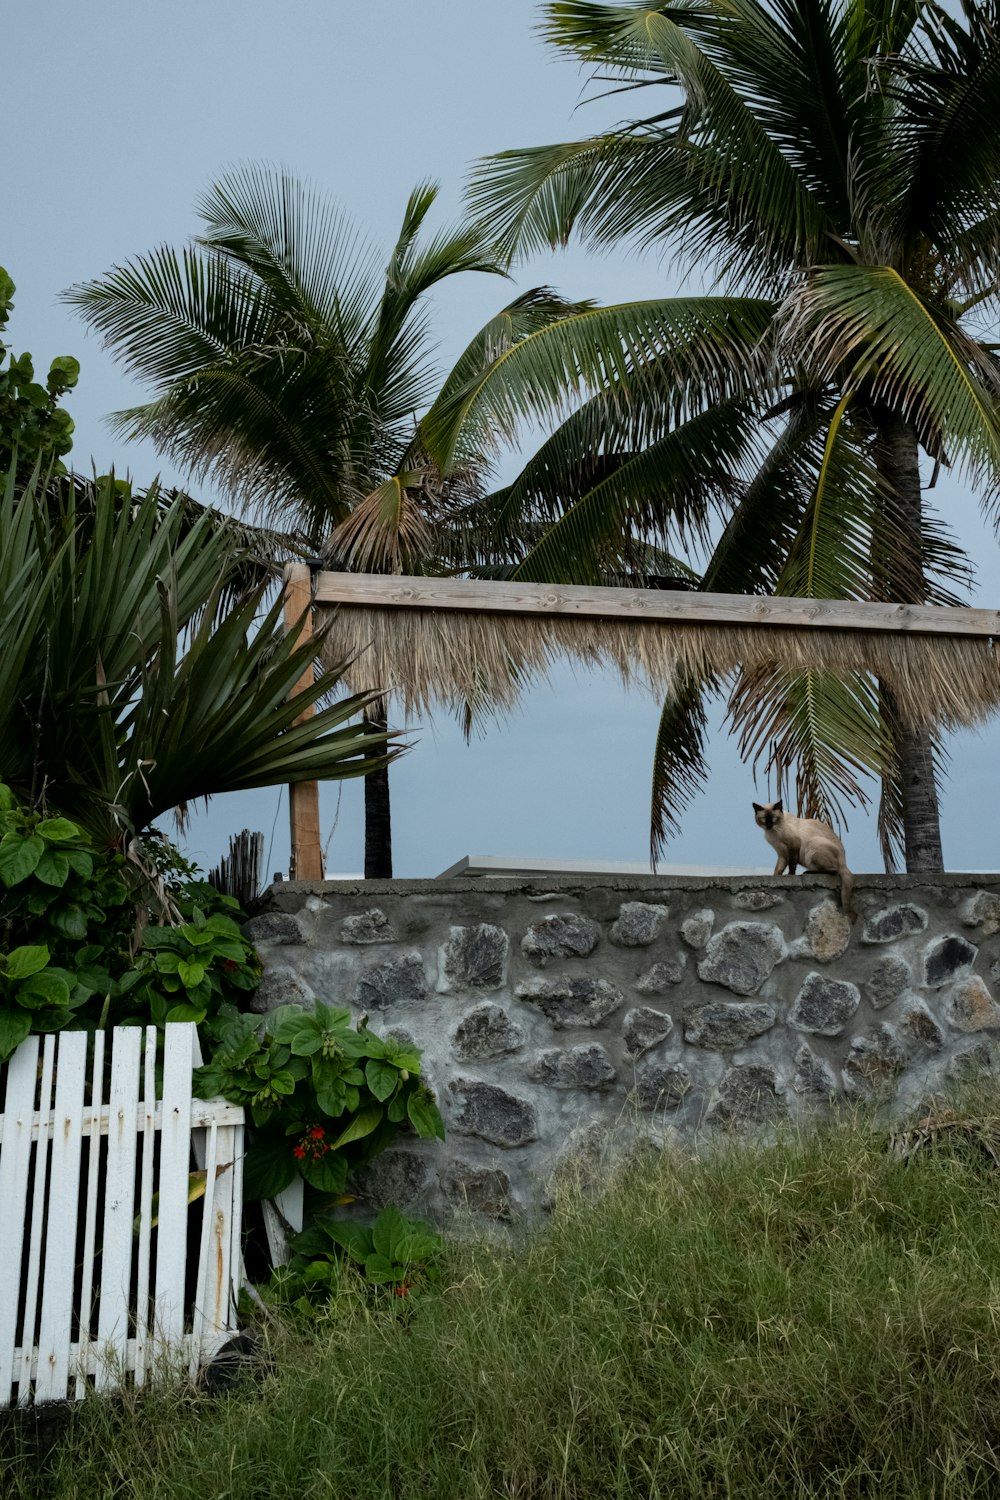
pixel 92 1290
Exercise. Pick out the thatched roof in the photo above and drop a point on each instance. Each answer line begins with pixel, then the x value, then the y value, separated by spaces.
pixel 458 643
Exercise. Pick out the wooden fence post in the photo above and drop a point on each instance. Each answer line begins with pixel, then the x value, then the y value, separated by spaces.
pixel 303 796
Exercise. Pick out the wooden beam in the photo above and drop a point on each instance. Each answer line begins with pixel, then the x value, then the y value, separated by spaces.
pixel 376 591
pixel 303 796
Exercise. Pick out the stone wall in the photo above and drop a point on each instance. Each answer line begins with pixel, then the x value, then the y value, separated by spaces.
pixel 555 1014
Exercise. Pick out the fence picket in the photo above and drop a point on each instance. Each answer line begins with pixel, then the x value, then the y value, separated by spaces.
pixel 175 1157
pixel 61 1221
pixel 15 1160
pixel 24 1372
pixel 90 1219
pixel 145 1226
pixel 119 1200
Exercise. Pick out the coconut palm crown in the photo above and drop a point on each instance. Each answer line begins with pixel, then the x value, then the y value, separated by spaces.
pixel 834 165
pixel 291 364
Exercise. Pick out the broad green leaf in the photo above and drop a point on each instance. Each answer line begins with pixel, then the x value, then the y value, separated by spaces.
pixel 14 1027
pixel 58 830
pixel 388 1228
pixel 268 1168
pixel 381 1078
pixel 327 1175
pixel 380 1270
pixel 356 1239
pixel 52 867
pixel 186 1013
pixel 47 987
pixel 19 963
pixel 70 920
pixel 363 1124
pixel 424 1115
pixel 190 975
pixel 19 854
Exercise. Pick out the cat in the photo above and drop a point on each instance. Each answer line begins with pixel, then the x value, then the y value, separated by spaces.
pixel 807 842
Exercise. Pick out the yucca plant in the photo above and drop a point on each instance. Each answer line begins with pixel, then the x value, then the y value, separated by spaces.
pixel 133 681
pixel 292 367
pixel 835 165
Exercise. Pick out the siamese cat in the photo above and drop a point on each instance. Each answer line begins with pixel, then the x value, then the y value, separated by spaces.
pixel 807 842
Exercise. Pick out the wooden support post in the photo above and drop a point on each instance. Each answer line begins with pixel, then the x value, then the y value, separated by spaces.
pixel 303 796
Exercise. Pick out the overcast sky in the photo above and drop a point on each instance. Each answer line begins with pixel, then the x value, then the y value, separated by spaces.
pixel 120 114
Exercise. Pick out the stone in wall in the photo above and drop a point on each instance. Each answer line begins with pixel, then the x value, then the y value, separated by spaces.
pixel 742 956
pixel 475 958
pixel 967 1066
pixel 487 1031
pixel 484 1190
pixel 560 936
pixel 824 1005
pixel 971 1007
pixel 492 1114
pixel 748 1095
pixel 274 927
pixel 638 924
pixel 827 935
pixel 661 1087
pixel 758 900
pixel 894 922
pixel 697 930
pixel 644 1027
pixel 873 1062
pixel 571 1002
pixel 983 911
pixel 813 1075
pixel 947 958
pixel 586 1066
pixel 919 1026
pixel 662 976
pixel 280 986
pixel 394 1178
pixel 371 926
pixel 400 981
pixel 725 1027
pixel 887 981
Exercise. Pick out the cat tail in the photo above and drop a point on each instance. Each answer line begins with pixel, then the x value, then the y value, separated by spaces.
pixel 846 891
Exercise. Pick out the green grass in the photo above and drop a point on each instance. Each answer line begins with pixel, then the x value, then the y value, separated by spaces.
pixel 812 1318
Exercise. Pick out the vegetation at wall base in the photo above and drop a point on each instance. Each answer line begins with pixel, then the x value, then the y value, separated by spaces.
pixel 813 1317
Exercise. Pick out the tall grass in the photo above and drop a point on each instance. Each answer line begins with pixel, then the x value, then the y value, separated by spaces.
pixel 816 1317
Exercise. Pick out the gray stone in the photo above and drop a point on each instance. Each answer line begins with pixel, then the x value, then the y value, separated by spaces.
pixel 273 927
pixel 983 910
pixel 560 936
pixel 658 1087
pixel 948 958
pixel 586 1066
pixel 662 976
pixel 393 1178
pixel 486 1031
pixel 400 981
pixel 748 1095
pixel 824 1005
pixel 475 958
pixel 367 927
pixel 828 933
pixel 724 1027
pixel 894 922
pixel 813 1076
pixel 887 981
pixel 697 930
pixel 971 1064
pixel 757 900
pixel 873 1062
pixel 638 924
pixel 644 1027
pixel 280 986
pixel 918 1025
pixel 572 1002
pixel 484 1190
pixel 742 956
pixel 492 1114
pixel 971 1007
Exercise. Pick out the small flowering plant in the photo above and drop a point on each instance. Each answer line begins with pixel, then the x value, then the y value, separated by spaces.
pixel 394 1252
pixel 324 1096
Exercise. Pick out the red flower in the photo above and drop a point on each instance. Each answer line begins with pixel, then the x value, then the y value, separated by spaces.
pixel 299 1152
pixel 403 1290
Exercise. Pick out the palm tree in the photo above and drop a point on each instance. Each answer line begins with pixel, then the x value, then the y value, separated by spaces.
pixel 292 369
pixel 138 671
pixel 835 165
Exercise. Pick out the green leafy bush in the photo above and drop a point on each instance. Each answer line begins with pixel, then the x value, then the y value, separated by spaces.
pixel 394 1251
pixel 323 1096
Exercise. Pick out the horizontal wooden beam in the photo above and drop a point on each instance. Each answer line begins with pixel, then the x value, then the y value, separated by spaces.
pixel 377 591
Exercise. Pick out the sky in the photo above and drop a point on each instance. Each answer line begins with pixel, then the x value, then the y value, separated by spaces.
pixel 125 112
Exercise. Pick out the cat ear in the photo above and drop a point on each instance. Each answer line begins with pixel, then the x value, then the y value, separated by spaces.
pixel 778 807
pixel 757 807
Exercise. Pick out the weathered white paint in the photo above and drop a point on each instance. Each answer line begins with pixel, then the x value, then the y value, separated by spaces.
pixel 51 1352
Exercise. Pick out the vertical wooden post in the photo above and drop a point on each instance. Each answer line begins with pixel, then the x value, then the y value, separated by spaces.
pixel 303 796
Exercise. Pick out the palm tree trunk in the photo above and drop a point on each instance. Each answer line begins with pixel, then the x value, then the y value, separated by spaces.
pixel 904 582
pixel 378 821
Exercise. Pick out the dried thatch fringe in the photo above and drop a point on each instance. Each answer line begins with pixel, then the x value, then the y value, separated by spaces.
pixel 431 657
